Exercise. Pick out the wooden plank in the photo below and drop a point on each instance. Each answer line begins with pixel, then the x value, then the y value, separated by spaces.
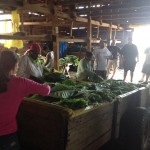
pixel 72 40
pixel 89 35
pixel 126 102
pixel 31 37
pixel 56 51
pixel 95 40
pixel 89 131
pixel 89 127
pixel 71 26
pixel 99 142
pixel 40 8
pixel 109 35
pixel 97 23
pixel 144 93
pixel 37 23
pixel 8 3
pixel 83 1
pixel 107 25
pixel 97 35
pixel 86 115
pixel 42 126
pixel 63 15
pixel 81 19
pixel 45 10
pixel 55 32
pixel 80 24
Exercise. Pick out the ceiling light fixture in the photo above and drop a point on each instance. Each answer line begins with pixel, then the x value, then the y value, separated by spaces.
pixel 81 7
pixel 83 15
pixel 75 28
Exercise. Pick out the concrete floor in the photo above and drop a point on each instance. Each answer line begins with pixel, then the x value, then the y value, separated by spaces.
pixel 119 74
pixel 137 74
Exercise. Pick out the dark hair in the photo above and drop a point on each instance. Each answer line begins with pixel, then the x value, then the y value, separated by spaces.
pixel 8 60
pixel 89 54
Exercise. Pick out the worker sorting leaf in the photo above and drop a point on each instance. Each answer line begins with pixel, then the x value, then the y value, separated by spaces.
pixel 85 69
pixel 29 65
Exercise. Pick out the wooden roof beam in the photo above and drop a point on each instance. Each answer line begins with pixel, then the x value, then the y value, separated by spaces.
pixel 120 14
pixel 39 8
pixel 72 40
pixel 113 12
pixel 97 23
pixel 126 18
pixel 75 24
pixel 31 37
pixel 12 3
pixel 123 7
pixel 83 1
pixel 43 24
pixel 37 23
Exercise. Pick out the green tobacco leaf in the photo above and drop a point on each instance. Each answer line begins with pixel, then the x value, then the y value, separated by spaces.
pixel 63 94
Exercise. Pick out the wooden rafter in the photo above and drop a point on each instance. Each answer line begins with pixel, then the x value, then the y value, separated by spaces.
pixel 31 37
pixel 12 3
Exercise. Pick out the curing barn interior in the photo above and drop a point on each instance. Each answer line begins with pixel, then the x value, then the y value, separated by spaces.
pixel 74 74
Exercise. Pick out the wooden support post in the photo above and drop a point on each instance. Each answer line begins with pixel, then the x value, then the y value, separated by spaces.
pixel 55 39
pixel 114 38
pixel 109 37
pixel 71 28
pixel 22 25
pixel 89 35
pixel 97 36
pixel 31 29
pixel 123 38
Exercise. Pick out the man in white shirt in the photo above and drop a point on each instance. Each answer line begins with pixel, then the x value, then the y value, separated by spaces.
pixel 29 66
pixel 101 54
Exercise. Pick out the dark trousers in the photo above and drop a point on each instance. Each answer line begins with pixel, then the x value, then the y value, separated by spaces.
pixel 101 73
pixel 9 142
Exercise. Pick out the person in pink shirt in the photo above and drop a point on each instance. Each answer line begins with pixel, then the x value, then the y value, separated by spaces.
pixel 12 91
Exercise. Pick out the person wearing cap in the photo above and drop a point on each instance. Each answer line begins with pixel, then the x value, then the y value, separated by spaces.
pixel 29 66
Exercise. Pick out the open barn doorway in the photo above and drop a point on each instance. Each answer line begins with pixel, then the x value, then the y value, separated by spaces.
pixel 5 25
pixel 142 41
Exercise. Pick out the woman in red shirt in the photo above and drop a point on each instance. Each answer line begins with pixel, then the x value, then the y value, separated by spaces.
pixel 12 91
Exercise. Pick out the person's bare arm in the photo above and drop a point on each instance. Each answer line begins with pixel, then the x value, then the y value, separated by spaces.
pixel 48 57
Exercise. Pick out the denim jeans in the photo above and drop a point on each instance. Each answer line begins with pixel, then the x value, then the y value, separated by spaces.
pixel 9 142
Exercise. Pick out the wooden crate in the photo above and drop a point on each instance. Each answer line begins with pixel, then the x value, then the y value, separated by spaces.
pixel 43 126
pixel 144 96
pixel 125 102
pixel 89 130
